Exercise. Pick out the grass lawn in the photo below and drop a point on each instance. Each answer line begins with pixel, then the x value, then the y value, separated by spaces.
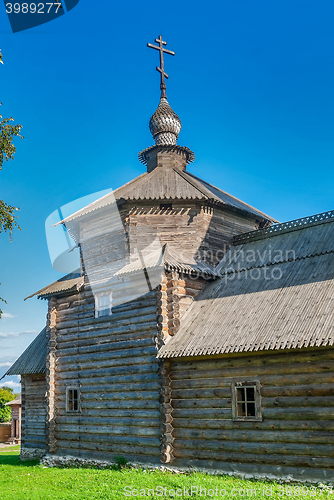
pixel 30 481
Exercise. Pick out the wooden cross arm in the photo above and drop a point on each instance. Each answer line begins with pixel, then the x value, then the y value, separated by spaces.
pixel 162 72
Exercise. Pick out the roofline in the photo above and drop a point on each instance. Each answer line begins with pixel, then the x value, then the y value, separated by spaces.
pixel 285 227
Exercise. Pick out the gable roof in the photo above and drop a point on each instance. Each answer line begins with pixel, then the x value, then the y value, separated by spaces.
pixel 247 311
pixel 170 184
pixel 32 360
pixel 72 282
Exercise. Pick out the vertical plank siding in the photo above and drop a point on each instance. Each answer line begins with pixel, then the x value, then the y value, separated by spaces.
pixel 113 359
pixel 297 389
pixel 33 416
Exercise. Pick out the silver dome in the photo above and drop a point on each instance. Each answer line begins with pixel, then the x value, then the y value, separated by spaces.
pixel 165 125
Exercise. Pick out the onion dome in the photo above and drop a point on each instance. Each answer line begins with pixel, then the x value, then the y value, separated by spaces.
pixel 165 125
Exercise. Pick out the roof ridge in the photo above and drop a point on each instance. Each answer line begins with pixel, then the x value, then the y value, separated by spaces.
pixel 247 205
pixel 282 261
pixel 285 227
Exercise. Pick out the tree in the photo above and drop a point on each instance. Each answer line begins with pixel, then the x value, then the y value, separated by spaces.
pixel 6 395
pixel 8 219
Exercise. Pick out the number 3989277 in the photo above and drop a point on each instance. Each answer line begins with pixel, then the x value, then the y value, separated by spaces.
pixel 33 8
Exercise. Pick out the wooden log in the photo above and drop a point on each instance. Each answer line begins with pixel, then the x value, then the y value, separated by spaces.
pixel 288 379
pixel 103 366
pixel 278 460
pixel 108 450
pixel 117 378
pixel 309 355
pixel 87 375
pixel 96 438
pixel 94 389
pixel 140 404
pixel 261 448
pixel 246 435
pixel 100 398
pixel 110 346
pixel 106 335
pixel 202 403
pixel 107 421
pixel 202 393
pixel 296 402
pixel 314 413
pixel 266 425
pixel 203 413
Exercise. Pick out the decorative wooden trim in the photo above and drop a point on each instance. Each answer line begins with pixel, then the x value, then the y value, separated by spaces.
pixel 285 227
pixel 23 409
pixel 51 332
pixel 166 419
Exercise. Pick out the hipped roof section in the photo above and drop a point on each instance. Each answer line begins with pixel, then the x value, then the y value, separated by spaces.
pixel 170 184
pixel 33 360
pixel 243 311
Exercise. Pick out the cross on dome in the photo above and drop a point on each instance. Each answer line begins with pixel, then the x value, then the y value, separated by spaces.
pixel 161 70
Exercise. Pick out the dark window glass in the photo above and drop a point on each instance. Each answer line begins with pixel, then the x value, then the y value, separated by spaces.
pixel 245 397
pixel 73 400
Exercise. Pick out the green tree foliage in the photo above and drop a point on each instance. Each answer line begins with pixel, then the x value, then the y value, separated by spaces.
pixel 6 395
pixel 8 219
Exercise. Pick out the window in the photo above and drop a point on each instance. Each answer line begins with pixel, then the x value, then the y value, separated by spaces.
pixel 72 399
pixel 246 401
pixel 103 303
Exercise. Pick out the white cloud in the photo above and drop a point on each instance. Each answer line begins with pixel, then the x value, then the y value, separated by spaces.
pixel 7 316
pixel 17 334
pixel 5 364
pixel 11 383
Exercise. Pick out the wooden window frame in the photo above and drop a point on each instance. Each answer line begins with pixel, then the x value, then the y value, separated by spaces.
pixel 73 388
pixel 257 395
pixel 98 308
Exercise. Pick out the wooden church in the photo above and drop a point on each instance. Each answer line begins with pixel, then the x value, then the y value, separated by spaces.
pixel 198 331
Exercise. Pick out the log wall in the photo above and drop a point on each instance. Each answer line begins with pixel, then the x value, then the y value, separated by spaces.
pixel 113 360
pixel 189 228
pixel 296 434
pixel 33 412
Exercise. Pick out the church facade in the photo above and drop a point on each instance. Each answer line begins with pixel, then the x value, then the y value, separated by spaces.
pixel 198 330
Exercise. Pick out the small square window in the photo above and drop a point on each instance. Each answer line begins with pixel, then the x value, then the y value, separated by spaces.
pixel 73 399
pixel 103 304
pixel 246 401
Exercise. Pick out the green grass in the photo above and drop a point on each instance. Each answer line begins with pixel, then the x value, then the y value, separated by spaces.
pixel 30 481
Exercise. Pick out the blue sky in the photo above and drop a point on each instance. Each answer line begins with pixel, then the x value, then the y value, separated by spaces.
pixel 251 81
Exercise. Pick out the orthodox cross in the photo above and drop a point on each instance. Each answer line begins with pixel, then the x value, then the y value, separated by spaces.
pixel 161 70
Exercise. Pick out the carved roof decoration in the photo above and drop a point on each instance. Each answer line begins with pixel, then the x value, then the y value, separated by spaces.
pixel 190 155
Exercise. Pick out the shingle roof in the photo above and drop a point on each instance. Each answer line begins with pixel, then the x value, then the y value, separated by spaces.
pixel 169 184
pixel 33 359
pixel 247 311
pixel 16 401
pixel 70 283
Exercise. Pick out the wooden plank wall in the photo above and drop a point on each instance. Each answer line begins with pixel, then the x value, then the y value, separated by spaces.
pixel 297 389
pixel 113 358
pixel 33 416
